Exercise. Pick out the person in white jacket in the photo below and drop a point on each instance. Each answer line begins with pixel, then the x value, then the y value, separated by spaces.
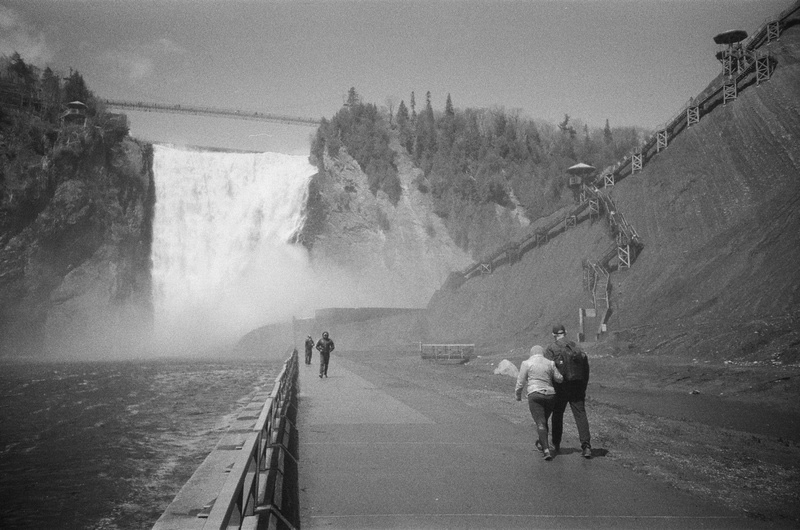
pixel 536 376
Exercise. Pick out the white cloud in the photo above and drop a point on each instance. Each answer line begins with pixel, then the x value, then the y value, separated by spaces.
pixel 139 62
pixel 17 36
pixel 169 46
pixel 126 65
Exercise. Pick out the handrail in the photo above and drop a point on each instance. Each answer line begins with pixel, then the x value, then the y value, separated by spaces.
pixel 245 495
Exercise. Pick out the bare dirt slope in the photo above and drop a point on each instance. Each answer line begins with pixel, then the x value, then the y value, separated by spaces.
pixel 718 211
pixel 718 214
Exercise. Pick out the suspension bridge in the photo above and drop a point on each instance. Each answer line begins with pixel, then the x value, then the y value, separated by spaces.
pixel 216 112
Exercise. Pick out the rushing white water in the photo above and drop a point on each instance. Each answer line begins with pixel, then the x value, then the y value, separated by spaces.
pixel 221 264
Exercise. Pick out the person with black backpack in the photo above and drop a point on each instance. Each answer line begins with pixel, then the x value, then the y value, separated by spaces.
pixel 309 349
pixel 573 364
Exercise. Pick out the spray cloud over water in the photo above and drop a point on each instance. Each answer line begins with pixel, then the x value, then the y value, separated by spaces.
pixel 221 264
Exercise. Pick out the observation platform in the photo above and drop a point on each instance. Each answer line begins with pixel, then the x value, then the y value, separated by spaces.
pixel 379 448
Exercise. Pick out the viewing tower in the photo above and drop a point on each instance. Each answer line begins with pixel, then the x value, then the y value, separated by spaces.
pixel 733 58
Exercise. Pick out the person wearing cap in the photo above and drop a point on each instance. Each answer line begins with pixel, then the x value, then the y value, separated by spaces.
pixel 537 376
pixel 309 349
pixel 573 364
pixel 324 346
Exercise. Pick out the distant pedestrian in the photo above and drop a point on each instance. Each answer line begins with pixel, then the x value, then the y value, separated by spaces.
pixel 309 349
pixel 537 376
pixel 324 346
pixel 573 364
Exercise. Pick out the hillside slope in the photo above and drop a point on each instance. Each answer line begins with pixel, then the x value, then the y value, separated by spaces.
pixel 717 212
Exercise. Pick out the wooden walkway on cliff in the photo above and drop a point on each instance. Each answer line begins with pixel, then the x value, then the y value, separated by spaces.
pixel 751 65
pixel 744 65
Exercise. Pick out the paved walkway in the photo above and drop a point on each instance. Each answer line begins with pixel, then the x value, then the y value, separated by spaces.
pixel 379 452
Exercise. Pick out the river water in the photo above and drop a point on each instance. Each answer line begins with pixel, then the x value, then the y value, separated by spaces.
pixel 107 445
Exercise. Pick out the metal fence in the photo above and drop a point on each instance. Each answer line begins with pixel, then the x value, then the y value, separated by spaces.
pixel 447 352
pixel 258 473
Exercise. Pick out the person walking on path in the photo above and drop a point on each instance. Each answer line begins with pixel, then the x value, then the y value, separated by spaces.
pixel 537 376
pixel 309 349
pixel 324 346
pixel 573 364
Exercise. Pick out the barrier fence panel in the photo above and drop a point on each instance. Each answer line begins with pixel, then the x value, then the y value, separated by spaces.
pixel 447 352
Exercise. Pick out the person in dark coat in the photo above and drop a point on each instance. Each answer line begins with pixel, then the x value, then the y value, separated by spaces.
pixel 309 349
pixel 324 346
pixel 573 364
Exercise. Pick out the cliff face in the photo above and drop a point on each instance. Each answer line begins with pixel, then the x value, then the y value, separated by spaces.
pixel 718 215
pixel 75 245
pixel 394 255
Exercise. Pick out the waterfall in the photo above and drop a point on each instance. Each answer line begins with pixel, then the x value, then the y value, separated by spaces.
pixel 221 264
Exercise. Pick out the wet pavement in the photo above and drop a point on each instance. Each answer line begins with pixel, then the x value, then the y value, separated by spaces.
pixel 380 451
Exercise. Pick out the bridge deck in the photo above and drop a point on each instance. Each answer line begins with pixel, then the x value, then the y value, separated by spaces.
pixel 211 111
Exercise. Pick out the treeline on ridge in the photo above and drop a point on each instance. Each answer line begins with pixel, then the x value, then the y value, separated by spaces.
pixel 40 148
pixel 470 156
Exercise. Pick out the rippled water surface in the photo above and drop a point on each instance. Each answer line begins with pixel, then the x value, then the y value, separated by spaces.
pixel 109 444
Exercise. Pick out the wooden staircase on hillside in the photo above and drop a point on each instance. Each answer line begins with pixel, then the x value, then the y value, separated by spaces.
pixel 753 66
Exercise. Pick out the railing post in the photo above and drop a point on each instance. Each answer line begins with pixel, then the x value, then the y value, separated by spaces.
pixel 661 140
pixel 624 256
pixel 692 115
pixel 762 68
pixel 594 208
pixel 729 91
pixel 727 64
pixel 636 160
pixel 773 30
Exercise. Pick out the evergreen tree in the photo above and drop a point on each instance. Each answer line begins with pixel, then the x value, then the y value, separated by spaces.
pixel 75 88
pixel 51 93
pixel 566 127
pixel 18 67
pixel 448 107
pixel 447 127
pixel 425 146
pixel 404 127
pixel 352 97
pixel 402 114
pixel 607 136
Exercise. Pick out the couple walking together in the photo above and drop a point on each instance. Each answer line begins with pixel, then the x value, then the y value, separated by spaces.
pixel 324 346
pixel 552 379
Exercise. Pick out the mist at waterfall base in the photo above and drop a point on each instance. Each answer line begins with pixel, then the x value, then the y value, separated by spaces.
pixel 222 264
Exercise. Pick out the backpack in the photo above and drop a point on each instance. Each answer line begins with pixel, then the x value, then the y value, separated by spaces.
pixel 571 362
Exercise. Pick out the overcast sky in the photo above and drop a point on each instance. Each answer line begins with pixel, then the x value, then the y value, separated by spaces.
pixel 634 62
